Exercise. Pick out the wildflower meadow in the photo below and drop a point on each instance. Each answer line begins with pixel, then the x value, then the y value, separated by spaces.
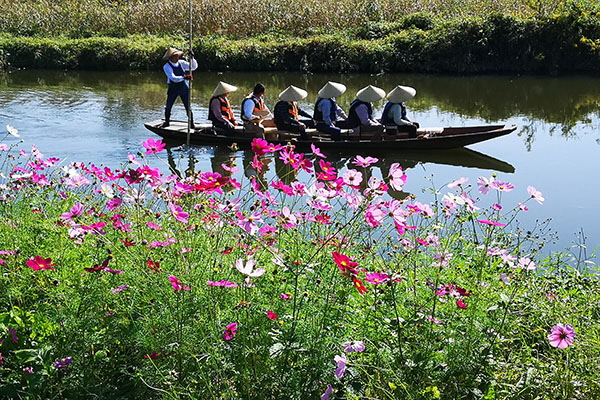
pixel 131 281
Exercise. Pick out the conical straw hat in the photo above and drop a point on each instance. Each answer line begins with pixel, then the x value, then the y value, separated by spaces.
pixel 331 89
pixel 223 88
pixel 370 93
pixel 292 93
pixel 170 51
pixel 401 94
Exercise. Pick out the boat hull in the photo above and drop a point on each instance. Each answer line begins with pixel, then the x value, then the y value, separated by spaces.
pixel 438 138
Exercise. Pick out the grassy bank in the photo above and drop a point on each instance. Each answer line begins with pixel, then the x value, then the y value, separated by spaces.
pixel 565 42
pixel 132 282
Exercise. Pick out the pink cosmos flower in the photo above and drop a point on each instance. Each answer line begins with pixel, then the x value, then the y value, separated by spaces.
pixel 249 224
pixel 259 146
pixel 132 159
pixel 484 184
pixel 496 207
pixel 154 226
pixel 458 182
pixel 316 151
pixel 485 221
pixel 177 285
pixel 178 213
pixel 36 263
pixel 62 363
pixel 229 168
pixel 113 204
pixel 352 178
pixel 75 211
pixel 354 347
pixel 526 263
pixel 523 207
pixel 502 186
pixel 221 283
pixel 434 320
pixel 271 315
pixel 376 278
pixel 153 146
pixel 325 396
pixel 397 177
pixel 535 194
pixel 341 365
pixel 364 162
pixel 284 296
pixel 562 336
pixel 13 335
pixel 230 331
pixel 119 288
pixel 77 181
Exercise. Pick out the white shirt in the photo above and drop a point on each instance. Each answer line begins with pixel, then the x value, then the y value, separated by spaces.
pixel 168 68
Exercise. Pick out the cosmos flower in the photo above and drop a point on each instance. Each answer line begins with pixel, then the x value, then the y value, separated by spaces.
pixel 230 331
pixel 562 336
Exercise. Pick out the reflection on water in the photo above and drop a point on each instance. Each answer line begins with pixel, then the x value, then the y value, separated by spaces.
pixel 183 161
pixel 563 101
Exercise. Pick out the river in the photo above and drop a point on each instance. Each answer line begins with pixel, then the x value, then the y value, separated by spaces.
pixel 98 117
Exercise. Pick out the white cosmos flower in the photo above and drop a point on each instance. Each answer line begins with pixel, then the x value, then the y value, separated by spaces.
pixel 248 268
pixel 107 190
pixel 13 131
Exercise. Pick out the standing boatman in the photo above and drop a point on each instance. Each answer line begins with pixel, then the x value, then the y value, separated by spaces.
pixel 177 74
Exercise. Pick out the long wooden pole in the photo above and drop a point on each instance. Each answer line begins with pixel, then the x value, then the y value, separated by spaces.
pixel 189 130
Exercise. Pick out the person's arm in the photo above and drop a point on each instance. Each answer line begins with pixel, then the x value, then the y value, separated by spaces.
pixel 339 112
pixel 304 113
pixel 171 75
pixel 400 115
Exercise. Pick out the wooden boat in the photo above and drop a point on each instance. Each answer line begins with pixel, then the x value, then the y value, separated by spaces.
pixel 428 138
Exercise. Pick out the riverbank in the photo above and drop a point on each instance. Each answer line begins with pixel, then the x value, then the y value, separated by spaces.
pixel 560 44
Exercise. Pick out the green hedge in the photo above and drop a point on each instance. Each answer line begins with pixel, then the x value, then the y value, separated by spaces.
pixel 569 43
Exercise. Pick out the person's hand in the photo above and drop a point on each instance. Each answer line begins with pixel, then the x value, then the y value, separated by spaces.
pixel 191 52
pixel 188 77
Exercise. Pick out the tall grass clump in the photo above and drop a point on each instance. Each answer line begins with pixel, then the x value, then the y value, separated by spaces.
pixel 316 283
pixel 84 18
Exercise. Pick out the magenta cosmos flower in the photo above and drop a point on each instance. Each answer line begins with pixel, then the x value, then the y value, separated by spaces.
pixel 562 336
pixel 230 331
pixel 36 263
pixel 178 213
pixel 153 146
pixel 176 284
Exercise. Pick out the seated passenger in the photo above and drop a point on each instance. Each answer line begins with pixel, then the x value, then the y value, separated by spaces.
pixel 255 113
pixel 361 110
pixel 219 109
pixel 329 117
pixel 287 112
pixel 394 113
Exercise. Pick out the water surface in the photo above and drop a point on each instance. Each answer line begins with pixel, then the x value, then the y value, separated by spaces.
pixel 98 117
